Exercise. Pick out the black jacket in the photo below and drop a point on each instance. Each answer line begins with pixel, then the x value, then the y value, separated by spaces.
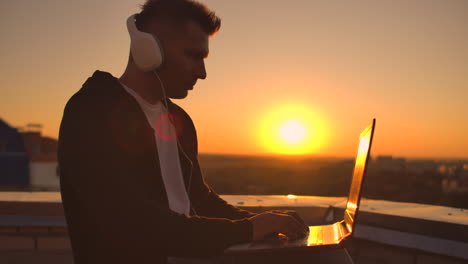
pixel 112 191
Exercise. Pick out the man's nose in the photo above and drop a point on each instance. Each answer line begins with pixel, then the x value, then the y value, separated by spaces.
pixel 201 71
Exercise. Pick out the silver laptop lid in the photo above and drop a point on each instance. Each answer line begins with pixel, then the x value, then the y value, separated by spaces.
pixel 365 141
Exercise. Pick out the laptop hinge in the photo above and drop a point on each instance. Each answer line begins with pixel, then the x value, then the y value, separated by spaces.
pixel 345 228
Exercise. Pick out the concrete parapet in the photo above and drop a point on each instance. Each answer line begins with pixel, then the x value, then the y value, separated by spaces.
pixel 33 228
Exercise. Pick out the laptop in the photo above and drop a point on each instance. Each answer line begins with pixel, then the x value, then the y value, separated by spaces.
pixel 320 236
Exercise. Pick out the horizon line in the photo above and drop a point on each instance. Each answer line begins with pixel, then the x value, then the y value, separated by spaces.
pixel 328 156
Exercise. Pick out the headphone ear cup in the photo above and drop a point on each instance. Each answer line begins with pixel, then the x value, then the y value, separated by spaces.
pixel 145 48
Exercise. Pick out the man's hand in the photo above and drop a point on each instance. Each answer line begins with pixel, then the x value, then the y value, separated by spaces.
pixel 274 222
pixel 293 214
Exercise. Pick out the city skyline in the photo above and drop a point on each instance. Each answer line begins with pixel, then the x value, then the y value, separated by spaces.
pixel 404 63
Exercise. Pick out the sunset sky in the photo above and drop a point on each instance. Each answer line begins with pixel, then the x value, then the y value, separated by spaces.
pixel 329 66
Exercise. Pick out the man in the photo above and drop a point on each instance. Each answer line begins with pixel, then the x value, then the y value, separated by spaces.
pixel 131 184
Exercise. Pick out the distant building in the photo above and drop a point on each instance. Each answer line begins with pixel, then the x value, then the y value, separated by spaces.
pixel 389 163
pixel 422 167
pixel 455 177
pixel 14 162
pixel 32 163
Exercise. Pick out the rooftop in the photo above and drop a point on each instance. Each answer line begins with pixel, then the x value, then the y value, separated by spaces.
pixel 399 231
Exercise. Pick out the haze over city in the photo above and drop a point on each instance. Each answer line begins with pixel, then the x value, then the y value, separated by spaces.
pixel 298 77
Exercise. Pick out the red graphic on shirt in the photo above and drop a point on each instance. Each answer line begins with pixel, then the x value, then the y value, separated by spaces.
pixel 164 132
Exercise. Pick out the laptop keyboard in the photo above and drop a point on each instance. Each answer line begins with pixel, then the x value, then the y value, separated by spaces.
pixel 324 235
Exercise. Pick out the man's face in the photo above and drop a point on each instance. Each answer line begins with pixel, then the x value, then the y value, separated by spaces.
pixel 185 52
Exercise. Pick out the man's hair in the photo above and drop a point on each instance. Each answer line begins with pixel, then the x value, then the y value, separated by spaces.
pixel 178 11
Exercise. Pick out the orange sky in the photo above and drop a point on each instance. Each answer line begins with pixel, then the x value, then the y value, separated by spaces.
pixel 403 62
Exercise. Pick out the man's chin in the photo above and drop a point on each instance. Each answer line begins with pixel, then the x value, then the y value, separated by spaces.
pixel 179 95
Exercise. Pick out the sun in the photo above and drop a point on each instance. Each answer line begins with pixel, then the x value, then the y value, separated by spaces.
pixel 292 132
pixel 292 129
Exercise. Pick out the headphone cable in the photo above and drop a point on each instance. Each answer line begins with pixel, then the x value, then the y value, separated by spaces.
pixel 177 139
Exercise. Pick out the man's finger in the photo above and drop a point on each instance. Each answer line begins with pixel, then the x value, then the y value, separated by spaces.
pixel 293 214
pixel 291 227
pixel 299 219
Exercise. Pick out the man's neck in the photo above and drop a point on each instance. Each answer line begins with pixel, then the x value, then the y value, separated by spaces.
pixel 146 85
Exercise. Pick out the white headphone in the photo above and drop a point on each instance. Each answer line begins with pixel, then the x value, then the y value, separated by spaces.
pixel 146 48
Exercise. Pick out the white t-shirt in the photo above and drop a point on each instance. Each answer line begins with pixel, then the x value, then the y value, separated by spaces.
pixel 166 141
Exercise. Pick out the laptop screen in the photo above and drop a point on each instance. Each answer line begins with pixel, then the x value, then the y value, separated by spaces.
pixel 358 175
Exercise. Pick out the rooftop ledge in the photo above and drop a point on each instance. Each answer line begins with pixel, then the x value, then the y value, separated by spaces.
pixel 434 229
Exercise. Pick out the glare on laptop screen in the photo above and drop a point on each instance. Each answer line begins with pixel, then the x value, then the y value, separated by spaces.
pixel 359 169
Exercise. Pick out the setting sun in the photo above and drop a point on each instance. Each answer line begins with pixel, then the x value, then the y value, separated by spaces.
pixel 292 132
pixel 291 129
